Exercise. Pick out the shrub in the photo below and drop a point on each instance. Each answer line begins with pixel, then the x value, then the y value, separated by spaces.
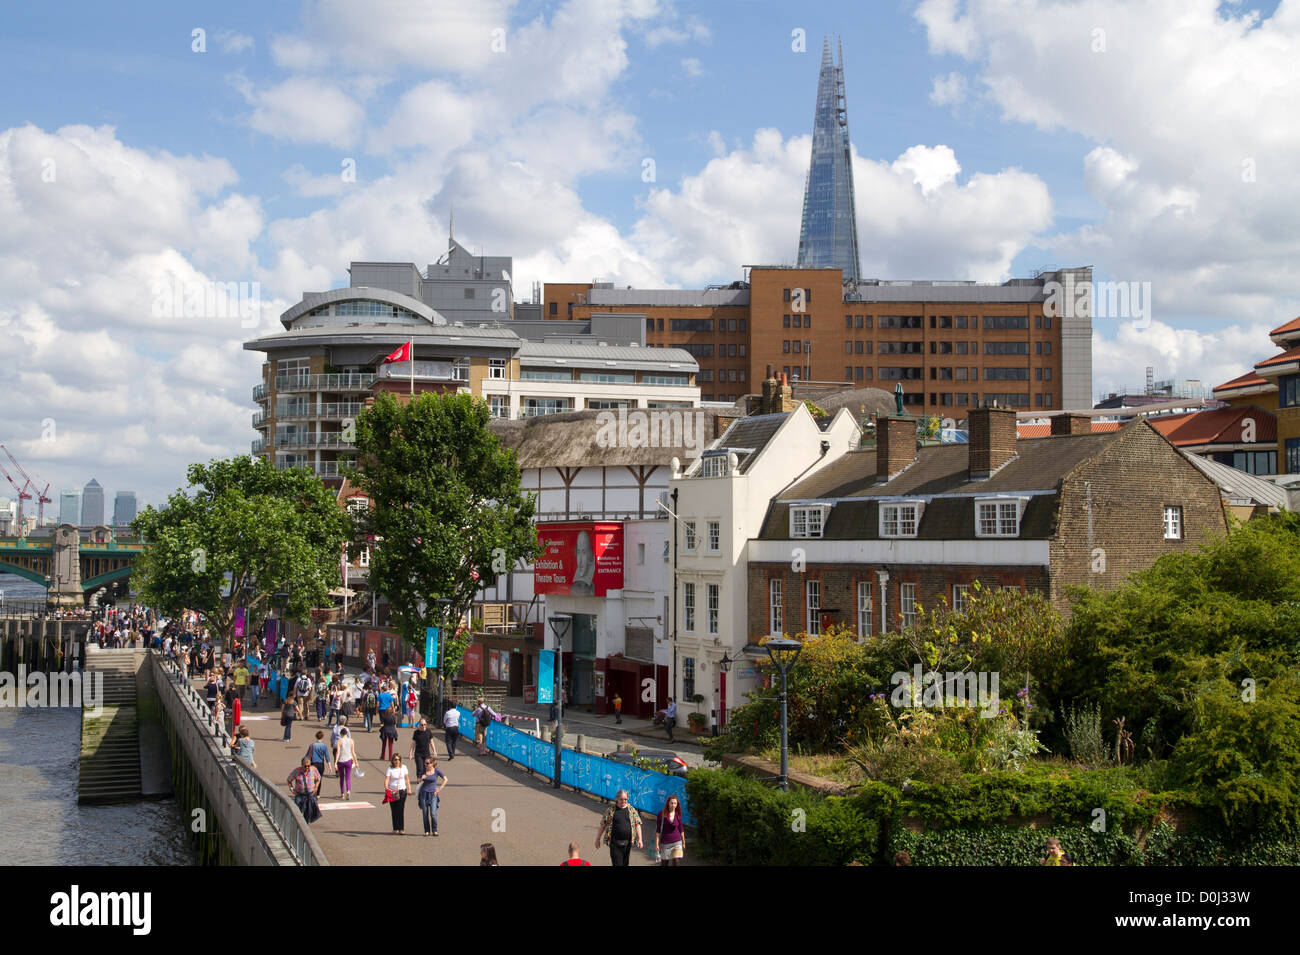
pixel 1082 730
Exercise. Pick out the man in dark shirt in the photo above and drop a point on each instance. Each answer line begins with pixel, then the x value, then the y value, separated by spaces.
pixel 620 828
pixel 422 746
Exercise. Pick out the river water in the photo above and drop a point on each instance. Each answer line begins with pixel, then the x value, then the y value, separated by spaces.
pixel 40 820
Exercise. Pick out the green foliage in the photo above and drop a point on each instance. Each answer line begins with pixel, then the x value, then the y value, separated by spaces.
pixel 742 821
pixel 1010 845
pixel 1227 612
pixel 1243 755
pixel 242 524
pixel 446 508
pixel 1082 730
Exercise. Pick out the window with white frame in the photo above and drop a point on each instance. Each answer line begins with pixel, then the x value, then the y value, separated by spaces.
pixel 814 602
pixel 497 367
pixel 689 528
pixel 715 537
pixel 960 596
pixel 715 465
pixel 907 603
pixel 363 560
pixel 864 609
pixel 688 607
pixel 499 406
pixel 807 521
pixel 1173 522
pixel 711 596
pixel 997 518
pixel 776 611
pixel 688 677
pixel 900 520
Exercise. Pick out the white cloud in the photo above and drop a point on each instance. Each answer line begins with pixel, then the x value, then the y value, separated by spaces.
pixel 948 90
pixel 692 67
pixel 233 43
pixel 1119 361
pixel 305 110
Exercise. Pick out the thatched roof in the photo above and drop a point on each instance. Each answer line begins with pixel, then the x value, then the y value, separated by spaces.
pixel 603 438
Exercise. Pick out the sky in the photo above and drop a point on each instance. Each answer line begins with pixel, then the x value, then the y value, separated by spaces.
pixel 152 147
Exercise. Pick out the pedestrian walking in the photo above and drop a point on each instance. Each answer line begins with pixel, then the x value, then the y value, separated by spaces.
pixel 575 856
pixel 432 779
pixel 483 717
pixel 670 833
pixel 319 754
pixel 618 708
pixel 304 783
pixel 369 706
pixel 288 713
pixel 396 786
pixel 670 718
pixel 422 748
pixel 620 827
pixel 387 732
pixel 487 854
pixel 451 727
pixel 335 704
pixel 345 757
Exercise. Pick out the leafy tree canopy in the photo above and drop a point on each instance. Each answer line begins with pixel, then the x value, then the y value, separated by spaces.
pixel 239 534
pixel 445 507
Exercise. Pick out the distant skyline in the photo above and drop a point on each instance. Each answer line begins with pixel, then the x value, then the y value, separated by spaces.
pixel 643 142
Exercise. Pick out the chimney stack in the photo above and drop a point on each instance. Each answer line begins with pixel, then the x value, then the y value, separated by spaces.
pixel 992 435
pixel 895 446
pixel 1068 423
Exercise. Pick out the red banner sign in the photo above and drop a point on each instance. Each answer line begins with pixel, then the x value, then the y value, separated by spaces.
pixel 582 560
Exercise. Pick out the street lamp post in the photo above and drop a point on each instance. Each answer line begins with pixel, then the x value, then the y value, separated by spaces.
pixel 784 653
pixel 724 667
pixel 444 610
pixel 560 626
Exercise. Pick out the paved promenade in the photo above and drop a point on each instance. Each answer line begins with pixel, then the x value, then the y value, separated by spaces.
pixel 486 799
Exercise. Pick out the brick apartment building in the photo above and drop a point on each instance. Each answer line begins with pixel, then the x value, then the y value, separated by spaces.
pixel 953 345
pixel 887 529
pixel 1273 386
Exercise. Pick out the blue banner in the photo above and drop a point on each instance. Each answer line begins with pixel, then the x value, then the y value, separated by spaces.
pixel 646 789
pixel 546 677
pixel 431 647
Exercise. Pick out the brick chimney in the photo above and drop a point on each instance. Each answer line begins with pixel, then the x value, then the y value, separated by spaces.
pixel 1071 424
pixel 992 433
pixel 895 446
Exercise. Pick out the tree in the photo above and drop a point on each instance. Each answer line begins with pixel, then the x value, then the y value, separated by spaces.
pixel 445 508
pixel 243 532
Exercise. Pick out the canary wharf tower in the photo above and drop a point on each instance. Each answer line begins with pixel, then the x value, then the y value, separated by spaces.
pixel 829 235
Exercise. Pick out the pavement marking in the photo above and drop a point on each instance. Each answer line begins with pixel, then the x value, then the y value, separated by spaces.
pixel 345 805
pixel 245 719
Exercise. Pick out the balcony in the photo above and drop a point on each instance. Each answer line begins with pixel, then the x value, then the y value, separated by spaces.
pixel 328 411
pixel 427 370
pixel 324 469
pixel 259 446
pixel 260 392
pixel 339 382
pixel 327 440
pixel 259 419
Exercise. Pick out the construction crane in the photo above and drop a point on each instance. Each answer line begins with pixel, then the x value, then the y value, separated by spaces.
pixel 22 496
pixel 42 498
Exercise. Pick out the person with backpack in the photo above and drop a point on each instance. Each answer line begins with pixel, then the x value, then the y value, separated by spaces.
pixel 369 706
pixel 387 732
pixel 287 715
pixel 483 717
pixel 302 689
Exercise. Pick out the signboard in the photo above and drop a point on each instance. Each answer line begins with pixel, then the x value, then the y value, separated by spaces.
pixel 546 676
pixel 474 664
pixel 430 646
pixel 239 623
pixel 582 560
pixel 270 634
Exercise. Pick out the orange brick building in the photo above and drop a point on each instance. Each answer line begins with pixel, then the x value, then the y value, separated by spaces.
pixel 952 345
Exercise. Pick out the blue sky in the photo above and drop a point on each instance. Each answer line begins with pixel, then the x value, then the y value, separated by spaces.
pixel 991 139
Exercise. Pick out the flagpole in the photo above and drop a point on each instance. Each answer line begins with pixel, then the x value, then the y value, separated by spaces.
pixel 410 353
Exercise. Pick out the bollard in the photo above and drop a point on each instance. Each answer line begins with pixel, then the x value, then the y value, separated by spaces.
pixel 578 746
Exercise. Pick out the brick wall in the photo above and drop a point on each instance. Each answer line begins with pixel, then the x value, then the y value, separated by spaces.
pixel 1112 507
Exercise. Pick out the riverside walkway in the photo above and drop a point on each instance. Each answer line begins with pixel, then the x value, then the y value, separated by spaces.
pixel 486 799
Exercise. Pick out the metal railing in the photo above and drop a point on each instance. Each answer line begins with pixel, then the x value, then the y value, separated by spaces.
pixel 259 418
pixel 328 439
pixel 260 392
pixel 330 409
pixel 280 809
pixel 258 446
pixel 324 469
pixel 335 382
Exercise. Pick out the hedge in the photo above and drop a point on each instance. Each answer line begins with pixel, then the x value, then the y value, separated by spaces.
pixel 984 821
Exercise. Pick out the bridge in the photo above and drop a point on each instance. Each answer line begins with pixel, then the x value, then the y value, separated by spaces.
pixel 70 568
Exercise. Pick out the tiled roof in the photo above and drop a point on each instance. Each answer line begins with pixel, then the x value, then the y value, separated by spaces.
pixel 1217 426
pixel 1241 381
pixel 1291 354
pixel 1291 326
pixel 1045 430
pixel 1039 465
pixel 1237 485
pixel 753 433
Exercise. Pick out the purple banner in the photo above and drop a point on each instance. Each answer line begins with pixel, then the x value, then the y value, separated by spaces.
pixel 239 623
pixel 268 640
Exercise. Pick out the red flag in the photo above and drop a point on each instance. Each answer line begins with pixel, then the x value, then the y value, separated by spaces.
pixel 402 354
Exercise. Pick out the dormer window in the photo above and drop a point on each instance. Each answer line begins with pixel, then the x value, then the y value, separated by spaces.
pixel 807 521
pixel 900 520
pixel 713 465
pixel 998 518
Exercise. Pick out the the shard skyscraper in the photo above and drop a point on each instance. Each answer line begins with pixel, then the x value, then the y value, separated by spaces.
pixel 829 234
